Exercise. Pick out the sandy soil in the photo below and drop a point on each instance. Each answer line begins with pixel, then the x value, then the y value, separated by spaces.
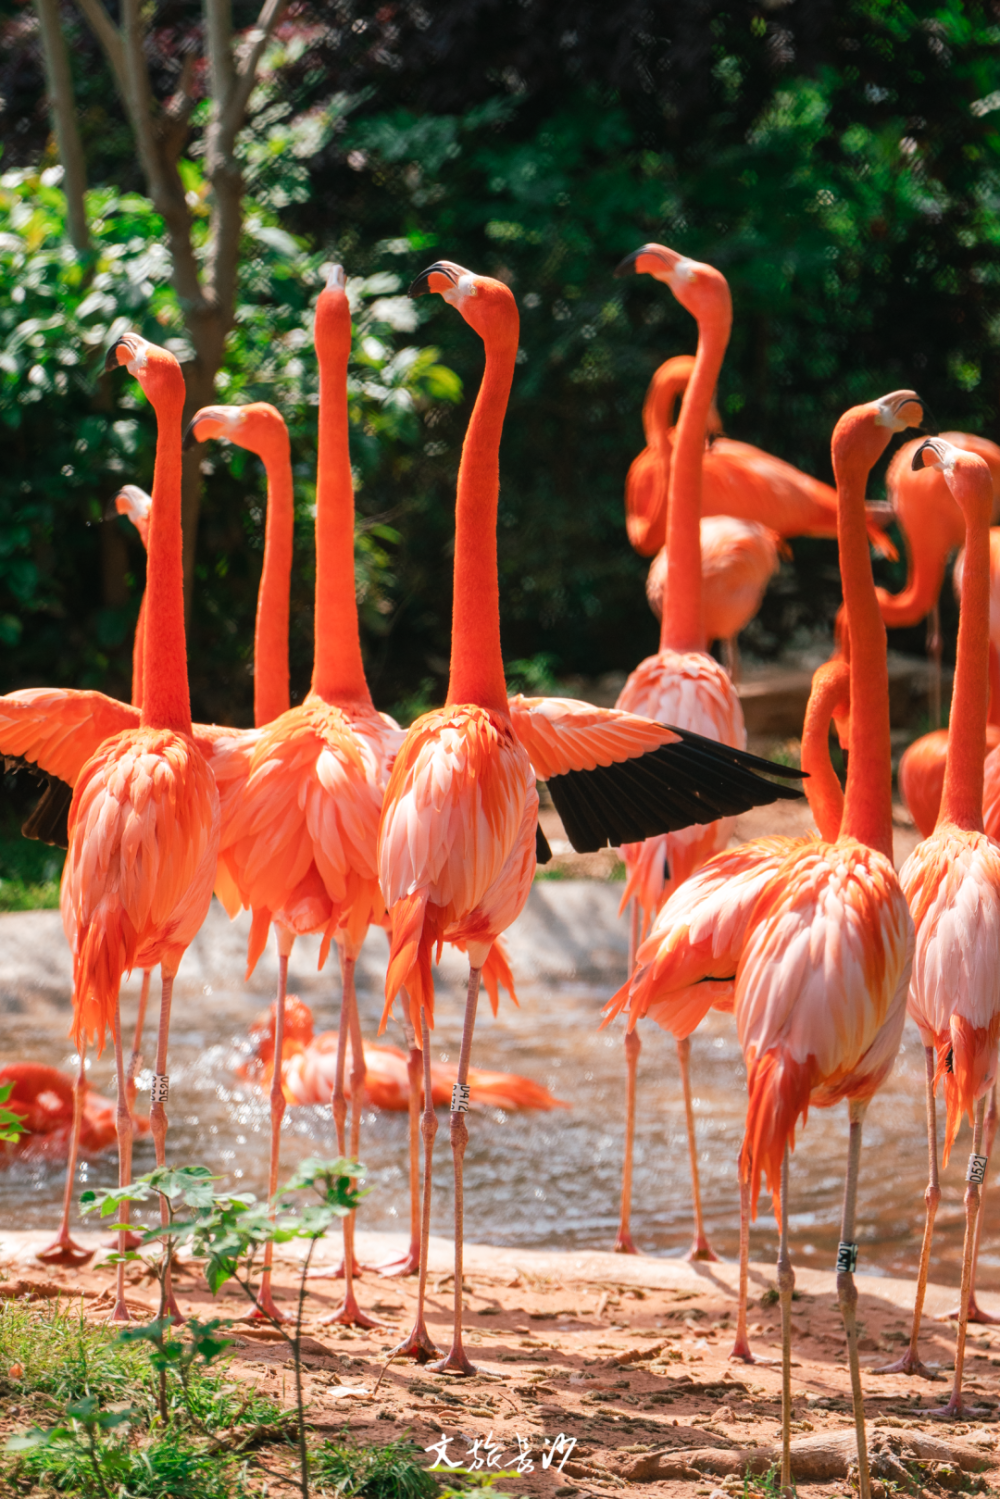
pixel 629 1357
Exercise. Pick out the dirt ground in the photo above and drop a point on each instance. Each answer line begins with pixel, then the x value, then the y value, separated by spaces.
pixel 634 1378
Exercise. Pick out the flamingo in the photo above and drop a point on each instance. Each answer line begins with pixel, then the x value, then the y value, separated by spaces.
pixel 815 937
pixel 144 821
pixel 301 849
pixel 260 428
pixel 956 575
pixel 459 827
pixel 952 884
pixel 738 480
pixel 45 1100
pixel 738 560
pixel 681 684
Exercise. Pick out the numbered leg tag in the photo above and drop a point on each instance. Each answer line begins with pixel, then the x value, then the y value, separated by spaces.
pixel 977 1170
pixel 160 1088
pixel 847 1258
pixel 460 1098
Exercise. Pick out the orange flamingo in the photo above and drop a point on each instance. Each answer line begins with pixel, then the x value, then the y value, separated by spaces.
pixel 459 828
pixel 994 708
pixel 681 684
pixel 144 823
pixel 301 848
pixel 738 560
pixel 952 883
pixel 45 1101
pixel 815 937
pixel 738 480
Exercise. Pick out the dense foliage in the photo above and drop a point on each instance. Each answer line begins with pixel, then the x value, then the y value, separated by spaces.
pixel 842 166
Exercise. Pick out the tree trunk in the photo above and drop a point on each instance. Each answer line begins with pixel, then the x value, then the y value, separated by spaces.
pixel 59 81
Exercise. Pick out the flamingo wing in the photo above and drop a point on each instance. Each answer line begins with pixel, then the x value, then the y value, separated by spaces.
pixel 616 778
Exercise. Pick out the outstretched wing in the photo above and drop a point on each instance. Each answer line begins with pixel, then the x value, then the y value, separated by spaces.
pixel 616 778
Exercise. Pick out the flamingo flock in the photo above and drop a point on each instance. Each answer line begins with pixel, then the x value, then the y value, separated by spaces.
pixel 327 817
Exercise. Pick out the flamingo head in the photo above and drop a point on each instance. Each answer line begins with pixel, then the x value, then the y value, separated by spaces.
pixel 332 329
pixel 258 427
pixel 135 502
pixel 862 434
pixel 966 474
pixel 487 305
pixel 156 369
pixel 700 289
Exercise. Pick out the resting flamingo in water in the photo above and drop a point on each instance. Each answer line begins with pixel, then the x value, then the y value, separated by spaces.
pixel 144 823
pixel 952 883
pixel 53 1128
pixel 459 828
pixel 301 850
pixel 814 936
pixel 738 560
pixel 681 684
pixel 260 428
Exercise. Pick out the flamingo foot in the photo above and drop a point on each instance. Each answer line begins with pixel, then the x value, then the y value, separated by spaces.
pixel 121 1313
pixel 268 1311
pixel 132 1241
pixel 623 1243
pixel 743 1354
pixel 701 1249
pixel 336 1272
pixel 457 1362
pixel 65 1251
pixel 349 1315
pixel 957 1409
pixel 908 1363
pixel 976 1314
pixel 404 1264
pixel 418 1345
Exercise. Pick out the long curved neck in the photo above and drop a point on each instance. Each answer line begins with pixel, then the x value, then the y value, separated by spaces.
pixel 915 600
pixel 166 701
pixel 338 670
pixel 139 654
pixel 270 643
pixel 476 674
pixel 830 686
pixel 682 627
pixel 962 795
pixel 868 801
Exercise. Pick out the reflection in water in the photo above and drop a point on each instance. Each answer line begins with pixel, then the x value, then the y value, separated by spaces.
pixel 547 1181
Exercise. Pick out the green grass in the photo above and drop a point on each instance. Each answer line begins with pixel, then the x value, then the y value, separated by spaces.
pixel 390 1472
pixel 172 1467
pixel 29 870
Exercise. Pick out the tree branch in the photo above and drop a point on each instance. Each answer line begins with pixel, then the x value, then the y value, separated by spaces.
pixel 62 103
pixel 107 34
pixel 270 15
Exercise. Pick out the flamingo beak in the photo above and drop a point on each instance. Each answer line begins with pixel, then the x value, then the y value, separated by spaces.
pixel 443 277
pixel 933 447
pixel 119 353
pixel 210 421
pixel 650 260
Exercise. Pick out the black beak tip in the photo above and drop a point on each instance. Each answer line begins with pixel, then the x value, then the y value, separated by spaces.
pixel 917 462
pixel 420 286
pixel 626 267
pixel 111 357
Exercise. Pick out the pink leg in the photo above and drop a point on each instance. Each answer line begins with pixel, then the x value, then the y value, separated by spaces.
pixel 419 1344
pixel 700 1249
pixel 123 1125
pixel 269 1310
pixel 847 1294
pixel 741 1348
pixel 956 1406
pixel 910 1362
pixel 133 1241
pixel 633 1046
pixel 457 1361
pixel 158 1129
pixel 349 1314
pixel 976 1312
pixel 64 1250
pixel 409 1263
pixel 786 1285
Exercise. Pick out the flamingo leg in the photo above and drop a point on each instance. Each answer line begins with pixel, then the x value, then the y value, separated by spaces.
pixel 976 1312
pixel 847 1292
pixel 268 1309
pixel 349 1314
pixel 419 1344
pixel 700 1249
pixel 409 1263
pixel 956 1404
pixel 64 1250
pixel 741 1347
pixel 624 1243
pixel 457 1361
pixel 910 1362
pixel 731 658
pixel 158 1129
pixel 123 1125
pixel 934 650
pixel 786 1285
pixel 135 1056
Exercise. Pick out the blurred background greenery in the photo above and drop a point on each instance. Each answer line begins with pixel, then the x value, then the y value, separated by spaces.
pixel 839 160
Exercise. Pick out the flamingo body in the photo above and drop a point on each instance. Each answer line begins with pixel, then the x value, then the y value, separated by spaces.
pixel 921 777
pixel 42 1097
pixel 738 560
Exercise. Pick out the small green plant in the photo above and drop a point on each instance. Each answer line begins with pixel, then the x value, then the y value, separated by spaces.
pixel 533 676
pixel 11 1124
pixel 86 1425
pixel 769 1297
pixel 391 1472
